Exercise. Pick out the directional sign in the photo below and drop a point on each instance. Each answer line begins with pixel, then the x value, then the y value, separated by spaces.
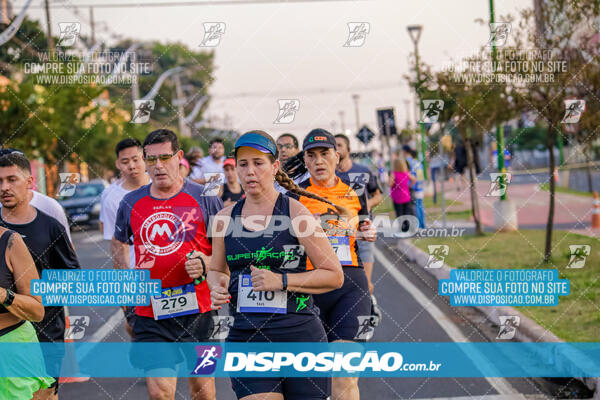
pixel 386 121
pixel 365 135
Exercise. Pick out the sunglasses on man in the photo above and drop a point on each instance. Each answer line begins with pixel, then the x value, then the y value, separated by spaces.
pixel 151 160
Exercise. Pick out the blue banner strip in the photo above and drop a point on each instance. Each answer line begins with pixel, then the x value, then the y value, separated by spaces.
pixel 376 359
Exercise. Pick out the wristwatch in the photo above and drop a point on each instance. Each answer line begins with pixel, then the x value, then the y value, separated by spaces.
pixel 10 297
pixel 284 281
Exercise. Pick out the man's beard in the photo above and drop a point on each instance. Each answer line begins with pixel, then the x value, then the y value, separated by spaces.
pixel 11 207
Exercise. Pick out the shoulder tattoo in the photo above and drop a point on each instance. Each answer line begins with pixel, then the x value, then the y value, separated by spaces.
pixel 11 240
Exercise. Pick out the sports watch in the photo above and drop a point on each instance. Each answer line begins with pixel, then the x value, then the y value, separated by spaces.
pixel 10 297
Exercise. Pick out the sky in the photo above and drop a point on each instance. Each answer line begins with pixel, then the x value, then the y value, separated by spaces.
pixel 279 51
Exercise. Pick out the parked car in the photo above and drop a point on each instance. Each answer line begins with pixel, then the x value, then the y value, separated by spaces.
pixel 82 205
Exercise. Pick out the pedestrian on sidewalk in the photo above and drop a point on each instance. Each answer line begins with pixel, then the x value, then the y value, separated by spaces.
pixel 460 163
pixel 400 181
pixel 417 189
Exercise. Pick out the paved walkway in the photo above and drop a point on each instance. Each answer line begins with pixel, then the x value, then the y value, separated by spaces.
pixel 571 212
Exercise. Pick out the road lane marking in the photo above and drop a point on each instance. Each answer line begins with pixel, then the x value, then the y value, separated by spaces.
pixel 501 385
pixel 111 323
pixel 93 238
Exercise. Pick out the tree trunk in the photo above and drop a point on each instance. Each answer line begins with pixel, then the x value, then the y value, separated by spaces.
pixel 586 151
pixel 550 223
pixel 472 183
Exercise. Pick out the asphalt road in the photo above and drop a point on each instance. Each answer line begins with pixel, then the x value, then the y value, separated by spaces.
pixel 412 313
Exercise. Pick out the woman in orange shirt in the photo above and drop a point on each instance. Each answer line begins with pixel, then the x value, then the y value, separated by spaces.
pixel 345 312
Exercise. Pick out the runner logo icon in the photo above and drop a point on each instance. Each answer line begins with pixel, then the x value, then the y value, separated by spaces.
pixel 77 325
pixel 293 253
pixel 498 184
pixel 579 252
pixel 499 33
pixel 357 33
pixel 68 181
pixel 432 110
pixel 141 111
pixel 212 34
pixel 69 31
pixel 207 359
pixel 358 182
pixel 574 108
pixel 365 328
pixel 437 254
pixel 222 325
pixel 287 110
pixel 508 326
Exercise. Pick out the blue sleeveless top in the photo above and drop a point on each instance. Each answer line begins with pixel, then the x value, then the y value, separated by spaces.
pixel 275 248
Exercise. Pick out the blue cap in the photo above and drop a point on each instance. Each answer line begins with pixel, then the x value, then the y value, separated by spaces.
pixel 258 142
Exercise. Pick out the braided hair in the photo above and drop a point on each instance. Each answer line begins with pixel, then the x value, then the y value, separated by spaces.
pixel 287 183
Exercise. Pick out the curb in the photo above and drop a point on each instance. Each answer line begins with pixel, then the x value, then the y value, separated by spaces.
pixel 529 331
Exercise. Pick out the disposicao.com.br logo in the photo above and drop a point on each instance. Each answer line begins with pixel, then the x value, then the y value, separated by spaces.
pixel 370 361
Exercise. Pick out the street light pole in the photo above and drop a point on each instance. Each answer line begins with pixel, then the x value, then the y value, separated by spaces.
pixel 415 34
pixel 50 39
pixel 356 97
pixel 343 125
pixel 499 128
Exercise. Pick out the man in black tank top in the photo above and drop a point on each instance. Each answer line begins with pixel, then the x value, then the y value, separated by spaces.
pixel 43 235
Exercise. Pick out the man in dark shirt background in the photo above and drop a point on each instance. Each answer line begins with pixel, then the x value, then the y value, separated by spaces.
pixel 47 241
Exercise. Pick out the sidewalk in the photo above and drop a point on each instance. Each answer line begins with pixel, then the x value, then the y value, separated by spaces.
pixel 571 212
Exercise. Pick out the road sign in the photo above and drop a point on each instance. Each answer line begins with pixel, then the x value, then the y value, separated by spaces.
pixel 386 121
pixel 365 135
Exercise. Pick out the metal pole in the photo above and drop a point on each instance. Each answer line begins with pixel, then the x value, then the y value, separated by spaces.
pixel 183 127
pixel 135 86
pixel 343 125
pixel 499 128
pixel 407 106
pixel 561 154
pixel 443 173
pixel 355 97
pixel 387 142
pixel 50 39
pixel 92 25
pixel 423 133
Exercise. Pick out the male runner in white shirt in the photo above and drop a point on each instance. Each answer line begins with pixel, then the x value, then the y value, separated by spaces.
pixel 130 163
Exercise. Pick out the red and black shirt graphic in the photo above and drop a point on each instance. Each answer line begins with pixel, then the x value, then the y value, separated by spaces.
pixel 164 231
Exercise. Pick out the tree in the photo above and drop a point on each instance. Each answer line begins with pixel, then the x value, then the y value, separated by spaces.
pixel 471 106
pixel 67 122
pixel 559 57
pixel 476 109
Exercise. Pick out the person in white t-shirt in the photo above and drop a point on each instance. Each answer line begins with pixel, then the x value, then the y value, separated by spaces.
pixel 211 164
pixel 45 204
pixel 131 165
